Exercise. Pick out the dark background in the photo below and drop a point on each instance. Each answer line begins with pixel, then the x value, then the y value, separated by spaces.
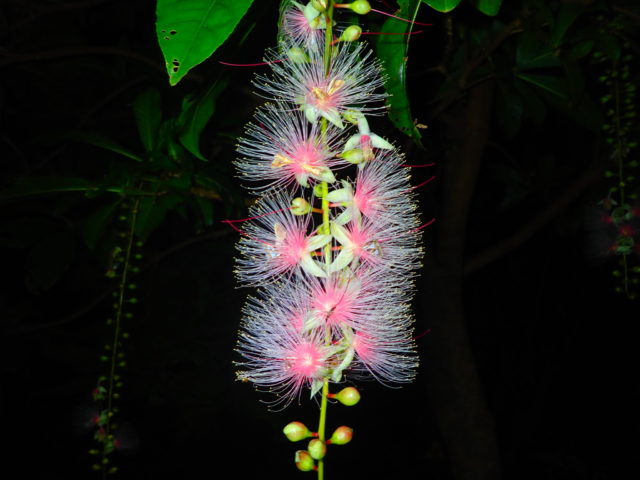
pixel 553 345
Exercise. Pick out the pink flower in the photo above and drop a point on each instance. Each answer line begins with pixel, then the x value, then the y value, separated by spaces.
pixel 276 242
pixel 352 84
pixel 281 148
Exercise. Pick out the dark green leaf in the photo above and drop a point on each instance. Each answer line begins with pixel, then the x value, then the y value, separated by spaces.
pixel 392 50
pixel 549 83
pixel 566 16
pixel 442 5
pixel 195 115
pixel 532 52
pixel 580 50
pixel 488 7
pixel 48 260
pixel 33 186
pixel 148 112
pixel 101 141
pixel 152 212
pixel 206 210
pixel 97 222
pixel 534 106
pixel 189 31
pixel 609 45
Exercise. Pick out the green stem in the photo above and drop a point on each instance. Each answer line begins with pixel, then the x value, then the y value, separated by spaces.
pixel 327 230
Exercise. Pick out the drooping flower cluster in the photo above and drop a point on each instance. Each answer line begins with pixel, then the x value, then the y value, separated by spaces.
pixel 333 258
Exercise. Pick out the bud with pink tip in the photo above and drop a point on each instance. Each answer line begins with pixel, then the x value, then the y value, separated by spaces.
pixel 296 431
pixel 348 396
pixel 304 461
pixel 317 449
pixel 341 436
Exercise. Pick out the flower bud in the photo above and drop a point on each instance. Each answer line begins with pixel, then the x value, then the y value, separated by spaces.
pixel 317 449
pixel 351 33
pixel 304 461
pixel 299 206
pixel 320 5
pixel 296 431
pixel 341 436
pixel 354 156
pixel 348 396
pixel 361 7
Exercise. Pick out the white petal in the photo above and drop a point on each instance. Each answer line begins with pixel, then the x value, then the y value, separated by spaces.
pixel 340 195
pixel 326 175
pixel 302 179
pixel 344 217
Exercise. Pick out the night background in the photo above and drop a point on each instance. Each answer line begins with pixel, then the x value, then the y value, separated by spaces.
pixel 524 308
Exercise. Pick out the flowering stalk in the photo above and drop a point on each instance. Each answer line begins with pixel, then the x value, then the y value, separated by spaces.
pixel 335 279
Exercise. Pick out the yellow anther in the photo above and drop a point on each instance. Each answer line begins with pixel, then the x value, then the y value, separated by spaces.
pixel 280 160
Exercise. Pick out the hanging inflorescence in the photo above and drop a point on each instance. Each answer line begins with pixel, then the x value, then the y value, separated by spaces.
pixel 333 240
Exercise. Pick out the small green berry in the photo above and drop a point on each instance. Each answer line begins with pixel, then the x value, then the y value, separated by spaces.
pixel 304 461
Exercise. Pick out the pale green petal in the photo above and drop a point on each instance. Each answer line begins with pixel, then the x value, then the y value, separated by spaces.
pixel 345 216
pixel 333 116
pixel 340 234
pixel 312 267
pixel 380 142
pixel 310 13
pixel 311 113
pixel 317 241
pixel 340 195
pixel 353 142
pixel 343 259
pixel 302 179
pixel 326 175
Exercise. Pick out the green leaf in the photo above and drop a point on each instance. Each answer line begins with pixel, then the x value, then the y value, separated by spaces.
pixel 442 5
pixel 152 212
pixel 566 16
pixel 488 7
pixel 106 143
pixel 549 83
pixel 532 52
pixel 392 50
pixel 33 186
pixel 148 112
pixel 97 222
pixel 189 31
pixel 195 115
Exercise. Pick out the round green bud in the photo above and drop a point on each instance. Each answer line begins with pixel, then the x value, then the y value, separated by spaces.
pixel 317 449
pixel 348 396
pixel 341 436
pixel 296 431
pixel 304 461
pixel 318 191
pixel 351 33
pixel 299 206
pixel 361 7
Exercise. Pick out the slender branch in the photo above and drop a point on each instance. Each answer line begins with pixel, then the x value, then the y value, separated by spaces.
pixel 535 224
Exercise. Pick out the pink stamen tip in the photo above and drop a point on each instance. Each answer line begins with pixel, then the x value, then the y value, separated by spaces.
pixel 392 33
pixel 253 218
pixel 413 22
pixel 424 225
pixel 422 334
pixel 421 184
pixel 418 166
pixel 250 64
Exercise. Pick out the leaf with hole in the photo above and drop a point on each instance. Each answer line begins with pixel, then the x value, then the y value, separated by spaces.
pixel 189 31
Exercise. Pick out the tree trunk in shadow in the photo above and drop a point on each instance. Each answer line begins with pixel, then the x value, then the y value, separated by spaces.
pixel 455 389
